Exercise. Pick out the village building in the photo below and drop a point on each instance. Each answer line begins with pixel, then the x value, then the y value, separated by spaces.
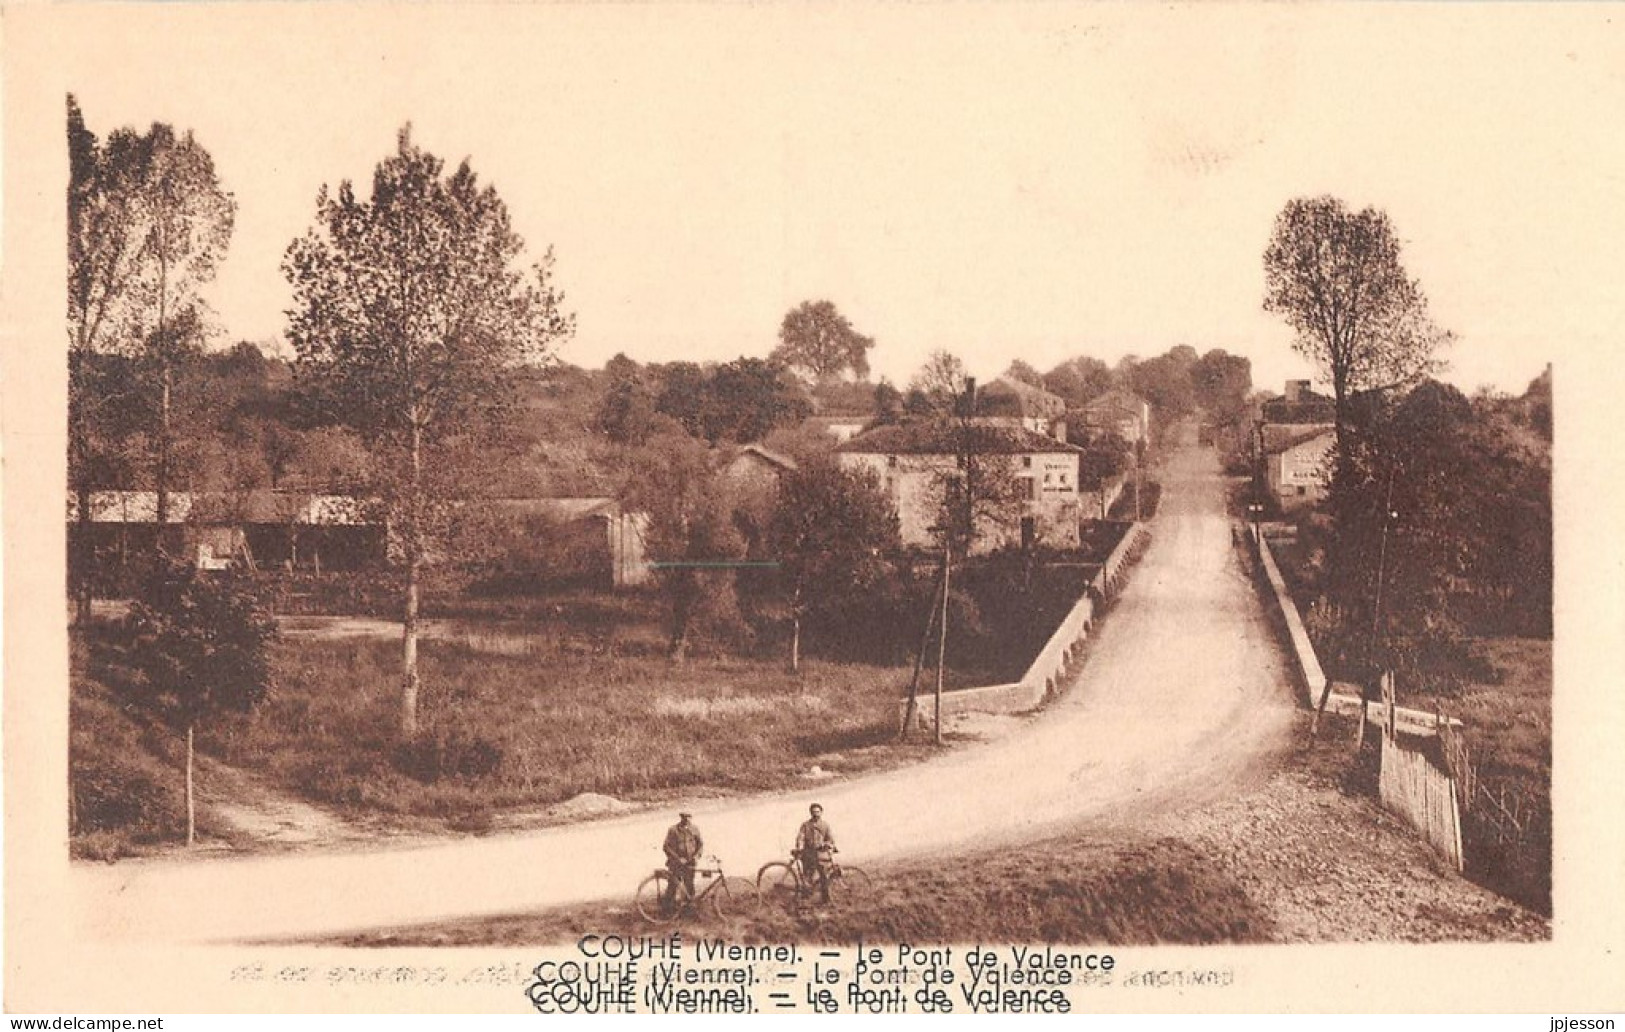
pixel 1299 405
pixel 1292 443
pixel 1296 463
pixel 1119 412
pixel 753 465
pixel 912 461
pixel 253 529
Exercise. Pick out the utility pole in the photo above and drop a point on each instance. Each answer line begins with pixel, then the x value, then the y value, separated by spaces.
pixel 919 660
pixel 942 637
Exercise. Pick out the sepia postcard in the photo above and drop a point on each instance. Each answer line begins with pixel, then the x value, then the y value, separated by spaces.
pixel 832 509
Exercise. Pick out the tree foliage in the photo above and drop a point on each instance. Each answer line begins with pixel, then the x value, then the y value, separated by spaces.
pixel 829 532
pixel 626 413
pixel 1079 380
pixel 412 308
pixel 203 647
pixel 1105 456
pixel 817 339
pixel 739 401
pixel 692 537
pixel 1022 371
pixel 413 311
pixel 1221 383
pixel 1337 278
pixel 1442 533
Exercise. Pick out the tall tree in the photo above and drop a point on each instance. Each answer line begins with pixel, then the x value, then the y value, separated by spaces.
pixel 412 312
pixel 1337 278
pixel 189 219
pixel 148 223
pixel 1221 382
pixel 817 339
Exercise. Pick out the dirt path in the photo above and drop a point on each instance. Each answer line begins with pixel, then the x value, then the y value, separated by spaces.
pixel 1183 701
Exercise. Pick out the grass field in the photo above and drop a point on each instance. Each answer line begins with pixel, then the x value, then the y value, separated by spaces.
pixel 503 731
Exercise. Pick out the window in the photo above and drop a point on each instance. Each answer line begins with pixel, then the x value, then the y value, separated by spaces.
pixel 891 462
pixel 1026 462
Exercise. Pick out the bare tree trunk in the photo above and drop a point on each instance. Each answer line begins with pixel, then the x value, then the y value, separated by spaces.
pixel 795 631
pixel 79 446
pixel 409 652
pixel 86 550
pixel 191 798
pixel 162 470
pixel 414 563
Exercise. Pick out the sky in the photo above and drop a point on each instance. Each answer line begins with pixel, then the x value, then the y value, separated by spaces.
pixel 1033 181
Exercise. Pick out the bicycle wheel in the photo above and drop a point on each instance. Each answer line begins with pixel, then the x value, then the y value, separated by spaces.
pixel 651 899
pixel 851 885
pixel 736 897
pixel 778 885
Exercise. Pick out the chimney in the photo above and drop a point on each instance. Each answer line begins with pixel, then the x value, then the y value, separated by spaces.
pixel 1295 390
pixel 1058 428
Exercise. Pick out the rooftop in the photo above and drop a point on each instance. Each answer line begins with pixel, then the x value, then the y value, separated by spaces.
pixel 947 437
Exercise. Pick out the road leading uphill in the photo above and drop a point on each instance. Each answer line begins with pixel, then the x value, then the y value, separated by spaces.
pixel 1183 701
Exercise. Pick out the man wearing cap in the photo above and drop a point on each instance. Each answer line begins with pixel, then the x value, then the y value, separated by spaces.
pixel 814 844
pixel 682 848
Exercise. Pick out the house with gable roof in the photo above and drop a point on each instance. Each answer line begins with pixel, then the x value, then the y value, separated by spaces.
pixel 911 461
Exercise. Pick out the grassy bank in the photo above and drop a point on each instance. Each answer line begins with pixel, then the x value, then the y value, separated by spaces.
pixel 1509 739
pixel 1071 889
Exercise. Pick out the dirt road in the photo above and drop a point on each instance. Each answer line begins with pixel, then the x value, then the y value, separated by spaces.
pixel 1182 701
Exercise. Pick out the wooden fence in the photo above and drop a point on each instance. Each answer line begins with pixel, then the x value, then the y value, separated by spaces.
pixel 1412 786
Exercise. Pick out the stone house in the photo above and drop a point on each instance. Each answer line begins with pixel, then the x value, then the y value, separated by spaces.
pixel 913 460
pixel 1296 462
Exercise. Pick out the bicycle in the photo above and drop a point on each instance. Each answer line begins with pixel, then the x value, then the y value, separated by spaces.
pixel 787 884
pixel 661 901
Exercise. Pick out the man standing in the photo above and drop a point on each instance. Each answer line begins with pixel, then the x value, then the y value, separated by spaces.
pixel 814 844
pixel 682 848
